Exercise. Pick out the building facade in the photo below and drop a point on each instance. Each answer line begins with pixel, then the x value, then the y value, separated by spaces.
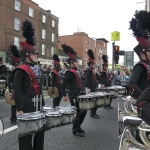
pixel 81 42
pixel 12 14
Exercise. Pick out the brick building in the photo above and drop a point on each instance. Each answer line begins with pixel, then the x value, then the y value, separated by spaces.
pixel 13 13
pixel 81 43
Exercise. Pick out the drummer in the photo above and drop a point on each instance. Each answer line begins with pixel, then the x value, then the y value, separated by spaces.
pixel 15 62
pixel 105 82
pixel 56 80
pixel 73 80
pixel 91 82
pixel 27 85
pixel 3 73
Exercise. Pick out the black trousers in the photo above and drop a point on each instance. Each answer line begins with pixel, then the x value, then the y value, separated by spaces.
pixel 110 101
pixel 13 113
pixel 56 101
pixel 93 110
pixel 25 143
pixel 80 115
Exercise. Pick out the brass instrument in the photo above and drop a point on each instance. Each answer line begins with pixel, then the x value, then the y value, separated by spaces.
pixel 128 142
pixel 53 92
pixel 9 101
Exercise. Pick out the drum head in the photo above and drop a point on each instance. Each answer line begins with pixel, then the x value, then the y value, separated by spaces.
pixel 53 113
pixel 1 128
pixel 31 116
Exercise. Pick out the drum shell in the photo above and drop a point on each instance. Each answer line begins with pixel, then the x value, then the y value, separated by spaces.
pixel 26 127
pixel 52 121
pixel 86 103
pixel 2 84
pixel 100 101
pixel 68 114
pixel 106 100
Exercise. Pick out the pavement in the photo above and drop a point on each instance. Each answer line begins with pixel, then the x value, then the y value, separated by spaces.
pixel 100 134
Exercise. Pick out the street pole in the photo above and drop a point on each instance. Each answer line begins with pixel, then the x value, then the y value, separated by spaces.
pixel 148 5
pixel 113 44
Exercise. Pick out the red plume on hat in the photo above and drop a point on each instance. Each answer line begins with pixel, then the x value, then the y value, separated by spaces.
pixel 70 52
pixel 28 34
pixel 56 60
pixel 91 57
pixel 15 54
pixel 140 26
pixel 105 60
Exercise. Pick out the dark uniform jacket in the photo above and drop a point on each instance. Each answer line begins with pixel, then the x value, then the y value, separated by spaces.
pixel 10 81
pixel 23 90
pixel 70 81
pixel 105 79
pixel 138 80
pixel 91 81
pixel 56 80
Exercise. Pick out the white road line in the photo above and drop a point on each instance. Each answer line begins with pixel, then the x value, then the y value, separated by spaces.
pixel 10 129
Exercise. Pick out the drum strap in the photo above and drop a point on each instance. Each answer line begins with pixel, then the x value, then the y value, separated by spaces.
pixel 77 77
pixel 94 76
pixel 32 77
pixel 57 75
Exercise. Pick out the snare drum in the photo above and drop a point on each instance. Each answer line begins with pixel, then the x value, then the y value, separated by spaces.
pixel 99 98
pixel 86 102
pixel 68 114
pixel 112 91
pixel 30 123
pixel 2 84
pixel 53 119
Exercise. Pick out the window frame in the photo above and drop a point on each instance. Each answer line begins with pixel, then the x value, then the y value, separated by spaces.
pixel 19 6
pixel 17 44
pixel 43 19
pixel 53 23
pixel 43 34
pixel 17 24
pixel 43 50
pixel 32 12
pixel 53 37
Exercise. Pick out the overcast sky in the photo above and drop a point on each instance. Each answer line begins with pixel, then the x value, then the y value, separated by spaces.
pixel 97 18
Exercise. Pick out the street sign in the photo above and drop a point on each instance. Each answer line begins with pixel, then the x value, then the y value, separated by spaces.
pixel 129 58
pixel 115 36
pixel 121 52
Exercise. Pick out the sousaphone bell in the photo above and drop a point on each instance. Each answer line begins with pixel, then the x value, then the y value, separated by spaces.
pixel 53 92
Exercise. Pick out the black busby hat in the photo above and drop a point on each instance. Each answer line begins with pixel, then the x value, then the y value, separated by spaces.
pixel 56 60
pixel 70 52
pixel 140 25
pixel 16 59
pixel 91 57
pixel 28 34
pixel 105 60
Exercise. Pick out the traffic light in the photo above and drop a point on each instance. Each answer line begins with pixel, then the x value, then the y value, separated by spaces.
pixel 116 53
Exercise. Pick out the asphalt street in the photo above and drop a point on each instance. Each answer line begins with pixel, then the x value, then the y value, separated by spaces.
pixel 100 134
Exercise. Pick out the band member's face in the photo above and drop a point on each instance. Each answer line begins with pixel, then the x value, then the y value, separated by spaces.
pixel 34 57
pixel 148 55
pixel 105 67
pixel 76 64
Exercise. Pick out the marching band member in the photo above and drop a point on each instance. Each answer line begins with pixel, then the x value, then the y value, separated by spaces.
pixel 73 80
pixel 139 79
pixel 105 78
pixel 91 82
pixel 56 80
pixel 27 85
pixel 15 62
pixel 141 30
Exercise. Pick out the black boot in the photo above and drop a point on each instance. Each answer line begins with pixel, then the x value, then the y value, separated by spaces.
pixel 78 133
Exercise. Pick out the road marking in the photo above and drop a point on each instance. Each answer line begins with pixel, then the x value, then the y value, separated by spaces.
pixel 10 129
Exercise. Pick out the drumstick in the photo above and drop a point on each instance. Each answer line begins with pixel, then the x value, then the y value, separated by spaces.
pixel 40 101
pixel 36 102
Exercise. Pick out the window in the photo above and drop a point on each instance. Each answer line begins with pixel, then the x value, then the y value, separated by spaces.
pixel 31 12
pixel 17 24
pixel 53 37
pixel 86 49
pixel 16 41
pixel 86 41
pixel 44 19
pixel 52 51
pixel 53 23
pixel 43 34
pixel 17 5
pixel 43 49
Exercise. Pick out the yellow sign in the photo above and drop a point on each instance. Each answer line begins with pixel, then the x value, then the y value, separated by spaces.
pixel 115 36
